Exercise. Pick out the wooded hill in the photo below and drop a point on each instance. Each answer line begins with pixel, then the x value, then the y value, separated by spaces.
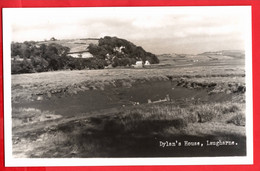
pixel 31 56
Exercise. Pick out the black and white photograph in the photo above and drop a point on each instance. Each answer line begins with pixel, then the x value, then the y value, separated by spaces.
pixel 127 86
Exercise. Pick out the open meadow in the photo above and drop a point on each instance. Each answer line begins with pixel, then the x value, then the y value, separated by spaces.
pixel 188 105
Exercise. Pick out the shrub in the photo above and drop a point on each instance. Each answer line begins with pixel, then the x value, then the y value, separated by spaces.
pixel 25 66
pixel 39 64
pixel 238 120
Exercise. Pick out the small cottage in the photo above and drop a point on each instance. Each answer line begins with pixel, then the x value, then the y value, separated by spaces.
pixel 147 63
pixel 138 64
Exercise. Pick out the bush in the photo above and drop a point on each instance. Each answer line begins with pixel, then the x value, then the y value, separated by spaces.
pixel 24 66
pixel 39 64
pixel 238 120
pixel 97 64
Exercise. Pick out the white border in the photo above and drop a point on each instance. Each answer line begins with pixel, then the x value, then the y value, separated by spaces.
pixel 10 161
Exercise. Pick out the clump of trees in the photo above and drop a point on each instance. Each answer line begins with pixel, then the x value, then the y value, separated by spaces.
pixel 120 52
pixel 30 56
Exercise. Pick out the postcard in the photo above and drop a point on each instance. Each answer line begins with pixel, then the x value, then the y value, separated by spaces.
pixel 101 86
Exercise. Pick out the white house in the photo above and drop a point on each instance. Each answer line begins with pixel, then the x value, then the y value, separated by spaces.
pixel 147 63
pixel 138 64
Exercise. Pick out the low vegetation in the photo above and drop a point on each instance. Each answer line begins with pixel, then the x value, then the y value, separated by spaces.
pixel 123 133
pixel 27 116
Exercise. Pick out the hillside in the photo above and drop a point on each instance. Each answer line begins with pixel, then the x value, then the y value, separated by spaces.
pixel 224 57
pixel 76 54
pixel 227 53
pixel 75 45
pixel 120 52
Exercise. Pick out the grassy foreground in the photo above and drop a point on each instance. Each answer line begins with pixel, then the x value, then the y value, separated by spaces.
pixel 137 132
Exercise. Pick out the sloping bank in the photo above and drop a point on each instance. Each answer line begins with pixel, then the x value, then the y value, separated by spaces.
pixel 94 95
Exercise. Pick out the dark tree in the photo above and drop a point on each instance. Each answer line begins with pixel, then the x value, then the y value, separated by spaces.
pixel 120 52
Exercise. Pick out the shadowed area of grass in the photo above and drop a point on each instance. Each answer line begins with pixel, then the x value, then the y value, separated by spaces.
pixel 137 131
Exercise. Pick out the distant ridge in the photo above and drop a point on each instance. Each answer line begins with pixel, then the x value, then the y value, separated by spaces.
pixel 222 51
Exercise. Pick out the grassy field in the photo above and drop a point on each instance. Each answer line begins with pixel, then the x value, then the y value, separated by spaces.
pixel 136 132
pixel 28 86
pixel 127 112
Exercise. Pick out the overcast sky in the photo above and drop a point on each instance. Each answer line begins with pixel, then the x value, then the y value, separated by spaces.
pixel 158 30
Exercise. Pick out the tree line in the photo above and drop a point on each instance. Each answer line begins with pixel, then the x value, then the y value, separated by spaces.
pixel 30 56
